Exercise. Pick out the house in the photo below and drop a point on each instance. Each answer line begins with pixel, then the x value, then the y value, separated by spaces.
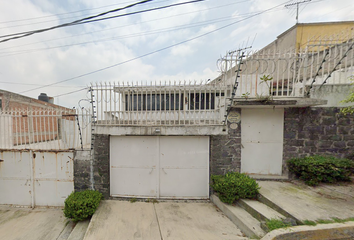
pixel 26 121
pixel 164 140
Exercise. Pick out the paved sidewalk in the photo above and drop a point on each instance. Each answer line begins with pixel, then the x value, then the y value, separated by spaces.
pixel 164 220
pixel 311 203
pixel 28 224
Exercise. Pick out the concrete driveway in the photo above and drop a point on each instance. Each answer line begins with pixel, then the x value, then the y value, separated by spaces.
pixel 160 221
pixel 28 224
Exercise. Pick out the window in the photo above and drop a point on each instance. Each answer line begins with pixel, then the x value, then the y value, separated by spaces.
pixel 154 102
pixel 201 101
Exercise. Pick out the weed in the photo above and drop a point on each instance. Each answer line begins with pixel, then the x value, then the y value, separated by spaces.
pixel 273 224
pixel 309 223
pixel 133 200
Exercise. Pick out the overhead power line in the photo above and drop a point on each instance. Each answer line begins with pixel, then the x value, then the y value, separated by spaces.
pixel 88 19
pixel 138 34
pixel 127 25
pixel 156 51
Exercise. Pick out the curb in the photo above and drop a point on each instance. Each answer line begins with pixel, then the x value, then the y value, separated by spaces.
pixel 320 232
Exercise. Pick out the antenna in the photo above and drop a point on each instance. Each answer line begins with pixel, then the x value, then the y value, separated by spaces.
pixel 297 8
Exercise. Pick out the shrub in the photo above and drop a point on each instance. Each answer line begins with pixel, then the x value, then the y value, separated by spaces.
pixel 82 205
pixel 233 186
pixel 316 169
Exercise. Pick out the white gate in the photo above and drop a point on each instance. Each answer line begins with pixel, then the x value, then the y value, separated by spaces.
pixel 262 141
pixel 35 178
pixel 159 166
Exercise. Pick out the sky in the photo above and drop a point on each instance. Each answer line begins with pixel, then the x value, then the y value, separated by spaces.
pixel 178 43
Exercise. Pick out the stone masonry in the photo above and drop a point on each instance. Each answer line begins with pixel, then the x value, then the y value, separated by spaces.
pixel 225 151
pixel 310 131
pixel 101 164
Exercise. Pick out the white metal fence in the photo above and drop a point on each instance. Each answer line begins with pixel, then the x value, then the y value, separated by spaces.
pixel 177 103
pixel 45 129
pixel 289 74
pixel 292 72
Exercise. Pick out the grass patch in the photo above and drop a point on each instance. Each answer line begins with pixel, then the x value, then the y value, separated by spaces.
pixel 273 224
pixel 325 221
pixel 151 200
pixel 133 200
pixel 309 223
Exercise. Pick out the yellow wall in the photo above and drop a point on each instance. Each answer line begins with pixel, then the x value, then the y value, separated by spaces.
pixel 340 32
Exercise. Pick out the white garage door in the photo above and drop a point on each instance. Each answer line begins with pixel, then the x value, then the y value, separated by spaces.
pixel 159 166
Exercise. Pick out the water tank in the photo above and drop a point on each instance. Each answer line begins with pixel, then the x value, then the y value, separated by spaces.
pixel 43 97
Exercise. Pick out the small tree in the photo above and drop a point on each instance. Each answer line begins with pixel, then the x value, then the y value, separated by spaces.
pixel 349 99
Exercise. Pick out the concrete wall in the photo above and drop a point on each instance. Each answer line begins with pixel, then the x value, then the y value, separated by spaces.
pixel 310 131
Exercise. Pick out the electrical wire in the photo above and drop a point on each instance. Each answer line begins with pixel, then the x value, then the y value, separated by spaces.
pixel 156 31
pixel 87 20
pixel 72 23
pixel 33 84
pixel 156 19
pixel 156 51
pixel 71 92
pixel 67 13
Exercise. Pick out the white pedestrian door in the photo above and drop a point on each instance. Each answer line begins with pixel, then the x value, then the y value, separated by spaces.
pixel 262 141
pixel 159 166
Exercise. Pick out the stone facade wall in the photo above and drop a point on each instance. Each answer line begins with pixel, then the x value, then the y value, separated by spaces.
pixel 101 164
pixel 82 170
pixel 311 131
pixel 225 151
pixel 100 167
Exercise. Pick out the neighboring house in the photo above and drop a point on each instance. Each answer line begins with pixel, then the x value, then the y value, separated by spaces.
pixel 163 140
pixel 25 121
pixel 309 36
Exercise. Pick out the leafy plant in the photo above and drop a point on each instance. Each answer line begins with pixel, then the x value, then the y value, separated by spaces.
pixel 246 95
pixel 82 205
pixel 233 186
pixel 349 99
pixel 266 79
pixel 316 169
pixel 133 200
pixel 273 224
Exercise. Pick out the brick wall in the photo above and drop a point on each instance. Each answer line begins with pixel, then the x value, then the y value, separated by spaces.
pixel 310 131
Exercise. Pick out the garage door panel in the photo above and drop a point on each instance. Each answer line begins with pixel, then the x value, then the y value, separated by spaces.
pixel 185 152
pixel 134 151
pixel 160 166
pixel 133 182
pixel 181 183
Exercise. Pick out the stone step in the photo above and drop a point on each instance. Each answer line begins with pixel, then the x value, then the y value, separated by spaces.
pixel 259 210
pixel 241 218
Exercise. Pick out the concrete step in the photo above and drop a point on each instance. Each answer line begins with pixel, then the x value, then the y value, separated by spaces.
pixel 79 231
pixel 241 218
pixel 263 199
pixel 259 210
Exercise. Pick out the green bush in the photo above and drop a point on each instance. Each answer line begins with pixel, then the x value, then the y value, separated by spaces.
pixel 82 205
pixel 316 169
pixel 233 186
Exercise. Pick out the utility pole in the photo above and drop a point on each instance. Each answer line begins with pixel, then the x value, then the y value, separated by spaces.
pixel 297 8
